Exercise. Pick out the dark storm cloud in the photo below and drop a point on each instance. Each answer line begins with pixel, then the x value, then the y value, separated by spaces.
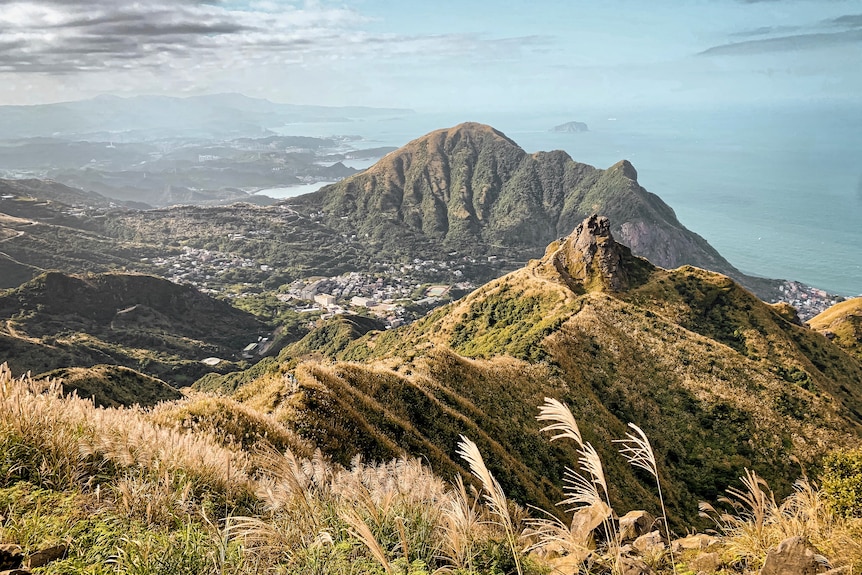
pixel 40 35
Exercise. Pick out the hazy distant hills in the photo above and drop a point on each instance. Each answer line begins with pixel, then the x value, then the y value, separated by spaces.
pixel 719 380
pixel 142 322
pixel 472 186
pixel 148 117
pixel 50 190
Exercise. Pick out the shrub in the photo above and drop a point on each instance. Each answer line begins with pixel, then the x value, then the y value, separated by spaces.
pixel 842 482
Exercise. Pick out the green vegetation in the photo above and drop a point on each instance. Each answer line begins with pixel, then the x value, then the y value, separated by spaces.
pixel 141 322
pixel 506 323
pixel 132 492
pixel 842 482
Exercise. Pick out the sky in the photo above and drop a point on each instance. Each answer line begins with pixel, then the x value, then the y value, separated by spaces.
pixel 506 55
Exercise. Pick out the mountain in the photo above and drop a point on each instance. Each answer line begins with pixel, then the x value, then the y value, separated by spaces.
pixel 45 225
pixel 471 186
pixel 148 117
pixel 842 323
pixel 719 380
pixel 146 323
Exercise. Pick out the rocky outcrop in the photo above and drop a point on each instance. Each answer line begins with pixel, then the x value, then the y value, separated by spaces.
pixel 44 556
pixel 11 557
pixel 634 524
pixel 591 259
pixel 794 556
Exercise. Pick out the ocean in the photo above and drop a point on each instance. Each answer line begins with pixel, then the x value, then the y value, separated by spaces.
pixel 777 190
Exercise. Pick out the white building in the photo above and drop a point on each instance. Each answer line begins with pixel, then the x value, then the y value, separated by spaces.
pixel 324 300
pixel 360 301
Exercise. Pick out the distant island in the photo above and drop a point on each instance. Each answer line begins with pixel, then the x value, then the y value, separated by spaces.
pixel 570 127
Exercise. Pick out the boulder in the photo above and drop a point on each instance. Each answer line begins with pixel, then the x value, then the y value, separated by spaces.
pixel 586 520
pixel 632 566
pixel 43 557
pixel 696 541
pixel 706 562
pixel 634 524
pixel 11 557
pixel 794 556
pixel 568 565
pixel 649 544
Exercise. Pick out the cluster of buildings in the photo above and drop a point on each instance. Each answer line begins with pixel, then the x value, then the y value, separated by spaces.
pixel 201 268
pixel 394 299
pixel 396 295
pixel 807 300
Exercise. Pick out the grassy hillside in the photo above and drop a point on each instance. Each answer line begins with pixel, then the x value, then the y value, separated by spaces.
pixel 141 322
pixel 113 385
pixel 842 323
pixel 718 380
pixel 209 485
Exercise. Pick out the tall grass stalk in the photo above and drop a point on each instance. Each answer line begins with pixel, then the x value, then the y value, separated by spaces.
pixel 637 449
pixel 494 495
pixel 581 489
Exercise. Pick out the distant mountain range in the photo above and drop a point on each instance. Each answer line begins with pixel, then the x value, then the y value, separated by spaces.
pixel 148 117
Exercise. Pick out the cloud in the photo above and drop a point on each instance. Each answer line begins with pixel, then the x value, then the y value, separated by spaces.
pixel 765 31
pixel 71 36
pixel 784 39
pixel 793 43
pixel 848 21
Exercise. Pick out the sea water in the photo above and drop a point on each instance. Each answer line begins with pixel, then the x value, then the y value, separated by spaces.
pixel 777 189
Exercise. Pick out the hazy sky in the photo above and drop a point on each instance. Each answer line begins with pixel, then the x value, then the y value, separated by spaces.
pixel 446 54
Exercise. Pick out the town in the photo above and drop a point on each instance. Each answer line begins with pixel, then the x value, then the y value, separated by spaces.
pixel 396 294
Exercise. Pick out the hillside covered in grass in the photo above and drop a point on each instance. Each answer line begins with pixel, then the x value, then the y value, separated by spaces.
pixel 842 323
pixel 717 379
pixel 208 485
pixel 141 322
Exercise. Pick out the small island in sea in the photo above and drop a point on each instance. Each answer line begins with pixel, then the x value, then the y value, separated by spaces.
pixel 571 127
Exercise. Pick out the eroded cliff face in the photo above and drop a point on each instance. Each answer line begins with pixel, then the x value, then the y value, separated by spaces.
pixel 590 259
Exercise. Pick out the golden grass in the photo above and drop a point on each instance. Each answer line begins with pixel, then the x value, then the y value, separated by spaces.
pixel 209 504
pixel 752 522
